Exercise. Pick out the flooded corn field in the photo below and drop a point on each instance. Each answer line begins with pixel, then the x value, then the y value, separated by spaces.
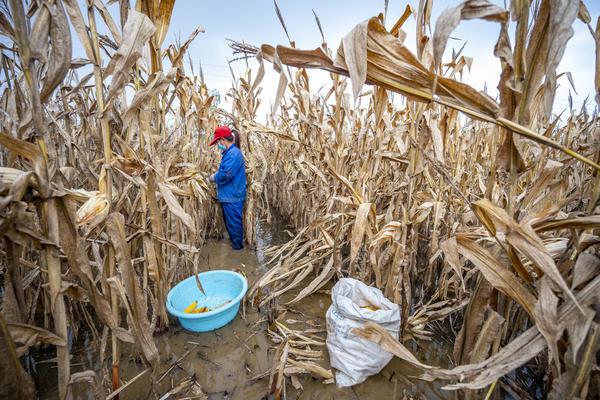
pixel 299 200
pixel 235 362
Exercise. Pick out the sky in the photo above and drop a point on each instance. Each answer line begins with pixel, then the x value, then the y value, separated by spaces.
pixel 255 22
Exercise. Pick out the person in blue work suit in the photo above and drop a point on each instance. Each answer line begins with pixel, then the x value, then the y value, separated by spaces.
pixel 231 183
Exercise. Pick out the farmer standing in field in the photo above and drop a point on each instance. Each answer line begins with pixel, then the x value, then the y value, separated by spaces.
pixel 231 183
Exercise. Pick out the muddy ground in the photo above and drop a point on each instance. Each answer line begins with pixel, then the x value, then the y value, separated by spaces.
pixel 233 362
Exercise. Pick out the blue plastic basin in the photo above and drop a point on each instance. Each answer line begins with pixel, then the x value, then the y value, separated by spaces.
pixel 220 286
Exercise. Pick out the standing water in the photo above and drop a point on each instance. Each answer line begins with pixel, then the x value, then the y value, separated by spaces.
pixel 234 362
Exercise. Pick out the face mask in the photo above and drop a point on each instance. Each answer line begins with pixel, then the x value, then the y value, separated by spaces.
pixel 221 146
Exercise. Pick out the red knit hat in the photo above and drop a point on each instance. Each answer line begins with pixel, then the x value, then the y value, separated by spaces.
pixel 220 132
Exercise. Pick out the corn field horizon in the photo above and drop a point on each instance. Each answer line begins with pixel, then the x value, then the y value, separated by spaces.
pixel 478 216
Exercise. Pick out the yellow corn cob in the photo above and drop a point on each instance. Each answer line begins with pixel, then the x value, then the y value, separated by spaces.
pixel 190 309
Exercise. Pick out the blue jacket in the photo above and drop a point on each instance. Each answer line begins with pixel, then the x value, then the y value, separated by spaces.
pixel 231 176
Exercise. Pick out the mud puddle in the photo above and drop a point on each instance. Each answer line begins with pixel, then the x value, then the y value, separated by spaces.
pixel 234 362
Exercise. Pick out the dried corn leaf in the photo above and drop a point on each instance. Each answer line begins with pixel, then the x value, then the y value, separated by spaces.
pixel 136 32
pixel 16 384
pixel 496 273
pixel 451 17
pixel 135 298
pixel 28 335
pixel 175 207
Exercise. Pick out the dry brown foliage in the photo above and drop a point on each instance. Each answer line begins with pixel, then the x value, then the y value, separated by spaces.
pixel 453 203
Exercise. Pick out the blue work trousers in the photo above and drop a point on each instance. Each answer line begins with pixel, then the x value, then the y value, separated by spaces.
pixel 233 214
